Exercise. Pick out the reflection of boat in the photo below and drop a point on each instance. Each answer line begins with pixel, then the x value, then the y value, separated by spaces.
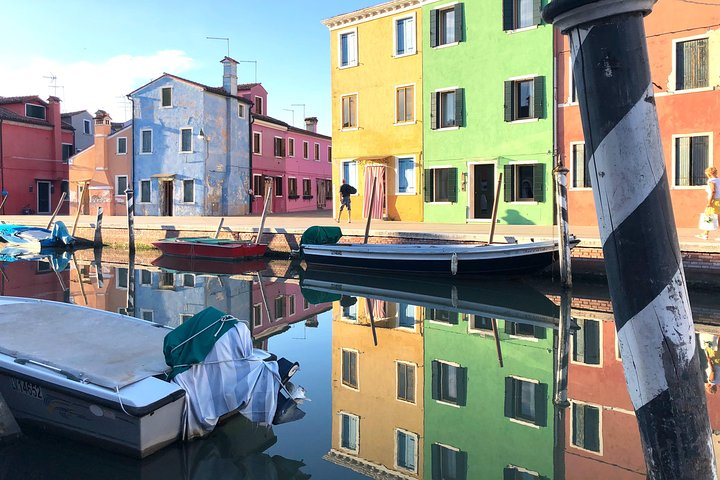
pixel 205 247
pixel 506 299
pixel 58 259
pixel 445 259
pixel 208 265
pixel 34 238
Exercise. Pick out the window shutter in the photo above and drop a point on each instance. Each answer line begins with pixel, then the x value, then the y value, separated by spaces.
pixel 452 185
pixel 592 342
pixel 435 457
pixel 454 317
pixel 682 161
pixel 509 101
pixel 539 97
pixel 508 23
pixel 508 182
pixel 435 380
pixel 459 107
pixel 428 185
pixel 509 397
pixel 539 182
pixel 537 12
pixel 459 23
pixel 539 333
pixel 461 386
pixel 433 28
pixel 699 157
pixel 579 342
pixel 541 404
pixel 461 462
pixel 433 110
pixel 592 429
pixel 509 327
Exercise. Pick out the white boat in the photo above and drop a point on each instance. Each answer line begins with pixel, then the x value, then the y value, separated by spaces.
pixel 33 239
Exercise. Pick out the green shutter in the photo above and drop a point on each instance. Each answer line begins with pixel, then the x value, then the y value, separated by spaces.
pixel 435 457
pixel 461 386
pixel 433 28
pixel 508 15
pixel 428 185
pixel 592 429
pixel 539 332
pixel 453 317
pixel 433 111
pixel 509 327
pixel 435 380
pixel 509 101
pixel 460 107
pixel 539 97
pixel 452 185
pixel 508 183
pixel 509 397
pixel 539 182
pixel 541 399
pixel 459 23
pixel 592 342
pixel 537 12
pixel 461 462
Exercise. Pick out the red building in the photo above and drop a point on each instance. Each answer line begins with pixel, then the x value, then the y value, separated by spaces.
pixel 34 149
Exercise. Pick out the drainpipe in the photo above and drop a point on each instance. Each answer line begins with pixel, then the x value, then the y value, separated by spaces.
pixel 637 228
pixel 251 120
pixel 2 164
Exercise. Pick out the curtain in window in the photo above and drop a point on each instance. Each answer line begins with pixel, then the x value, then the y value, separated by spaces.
pixel 448 27
pixel 682 161
pixel 525 13
pixel 406 175
pixel 372 173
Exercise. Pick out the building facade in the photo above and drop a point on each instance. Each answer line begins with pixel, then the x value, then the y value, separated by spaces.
pixel 191 147
pixel 82 122
pixel 377 85
pixel 34 150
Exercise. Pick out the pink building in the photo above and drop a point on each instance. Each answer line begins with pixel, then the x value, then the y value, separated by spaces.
pixel 297 161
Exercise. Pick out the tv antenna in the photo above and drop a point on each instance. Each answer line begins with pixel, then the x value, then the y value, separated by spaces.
pixel 251 61
pixel 300 105
pixel 227 40
pixel 53 83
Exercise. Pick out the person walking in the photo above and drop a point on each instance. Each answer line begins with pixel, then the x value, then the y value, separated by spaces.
pixel 345 191
pixel 713 196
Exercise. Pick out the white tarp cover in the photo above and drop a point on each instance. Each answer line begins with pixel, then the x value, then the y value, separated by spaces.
pixel 234 376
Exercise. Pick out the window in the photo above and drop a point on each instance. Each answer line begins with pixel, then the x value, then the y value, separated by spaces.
pixel 519 14
pixel 405 382
pixel 442 316
pixel 257 143
pixel 517 473
pixel 586 427
pixel 307 188
pixel 184 317
pixel 446 108
pixel 580 166
pixel 349 111
pixel 448 463
pixel 328 189
pixel 122 146
pixel 188 191
pixel 279 147
pixel 406 448
pixel 259 106
pixel 291 305
pixel 257 315
pixel 35 111
pixel 406 175
pixel 524 99
pixel 317 152
pixel 350 312
pixel 144 191
pixel 148 315
pixel 405 104
pixel 121 184
pixel 292 187
pixel 259 185
pixel 166 97
pixel 291 147
pixel 278 187
pixel 145 277
pixel 121 277
pixel 441 185
pixel 67 151
pixel 449 383
pixel 329 154
pixel 524 182
pixel 349 432
pixel 586 342
pixel 147 141
pixel 691 64
pixel 306 150
pixel 526 401
pixel 86 127
pixel 241 110
pixel 405 36
pixel 446 25
pixel 406 316
pixel 350 368
pixel 306 304
pixel 348 49
pixel 478 323
pixel 186 140
pixel 692 154
pixel 65 188
pixel 350 173
pixel 279 307
pixel 166 281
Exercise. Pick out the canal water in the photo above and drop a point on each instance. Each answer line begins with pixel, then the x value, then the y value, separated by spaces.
pixel 407 377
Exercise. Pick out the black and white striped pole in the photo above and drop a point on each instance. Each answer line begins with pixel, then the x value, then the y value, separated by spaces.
pixel 130 204
pixel 637 228
pixel 97 241
pixel 562 212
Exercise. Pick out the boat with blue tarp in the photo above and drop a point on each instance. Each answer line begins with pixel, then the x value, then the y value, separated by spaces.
pixel 34 239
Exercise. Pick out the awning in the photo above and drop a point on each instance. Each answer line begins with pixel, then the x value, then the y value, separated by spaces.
pixel 163 176
pixel 373 159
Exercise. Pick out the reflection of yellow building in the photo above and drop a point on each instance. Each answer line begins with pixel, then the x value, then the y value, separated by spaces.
pixel 377 392
pixel 376 60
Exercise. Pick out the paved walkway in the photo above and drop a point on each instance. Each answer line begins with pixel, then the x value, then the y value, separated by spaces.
pixel 298 222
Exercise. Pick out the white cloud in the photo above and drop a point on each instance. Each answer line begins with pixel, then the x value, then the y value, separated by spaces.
pixel 91 86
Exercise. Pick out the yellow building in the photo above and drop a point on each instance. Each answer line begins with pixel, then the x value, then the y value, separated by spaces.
pixel 376 70
pixel 377 390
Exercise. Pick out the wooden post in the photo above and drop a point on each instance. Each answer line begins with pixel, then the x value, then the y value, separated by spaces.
pixel 86 184
pixel 9 429
pixel 130 207
pixel 2 204
pixel 268 192
pixel 57 209
pixel 495 208
pixel 372 202
pixel 82 286
pixel 497 342
pixel 262 295
pixel 219 227
pixel 562 218
pixel 97 259
pixel 98 228
pixel 369 307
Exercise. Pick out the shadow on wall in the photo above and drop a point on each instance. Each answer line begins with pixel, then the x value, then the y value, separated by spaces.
pixel 513 217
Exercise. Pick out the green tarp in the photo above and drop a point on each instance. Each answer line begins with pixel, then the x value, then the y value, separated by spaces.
pixel 321 236
pixel 315 297
pixel 199 334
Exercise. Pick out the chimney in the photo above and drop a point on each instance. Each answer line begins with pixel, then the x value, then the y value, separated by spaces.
pixel 230 75
pixel 311 124
pixel 53 116
pixel 102 124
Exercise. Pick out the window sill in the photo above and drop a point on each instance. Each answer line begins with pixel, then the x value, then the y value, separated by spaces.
pixel 524 338
pixel 344 67
pixel 445 129
pixel 257 153
pixel 348 129
pixel 583 364
pixel 442 402
pixel 688 187
pixel 402 124
pixel 446 45
pixel 401 55
pixel 568 104
pixel 580 189
pixel 307 197
pixel 405 194
pixel 118 153
pixel 682 92
pixel 145 153
pixel 524 422
pixel 520 202
pixel 523 29
pixel 524 120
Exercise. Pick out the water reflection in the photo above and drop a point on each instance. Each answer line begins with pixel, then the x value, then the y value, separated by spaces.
pixel 414 378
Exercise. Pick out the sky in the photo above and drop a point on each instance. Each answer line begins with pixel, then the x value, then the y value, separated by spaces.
pixel 99 51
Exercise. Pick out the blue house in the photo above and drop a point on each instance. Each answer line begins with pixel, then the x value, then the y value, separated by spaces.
pixel 191 152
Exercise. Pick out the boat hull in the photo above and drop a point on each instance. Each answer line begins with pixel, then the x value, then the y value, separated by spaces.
pixel 228 251
pixel 209 265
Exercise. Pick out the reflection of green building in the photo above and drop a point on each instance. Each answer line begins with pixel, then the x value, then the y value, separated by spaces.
pixel 481 420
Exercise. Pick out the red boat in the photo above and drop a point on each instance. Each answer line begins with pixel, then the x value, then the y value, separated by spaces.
pixel 204 247
pixel 209 265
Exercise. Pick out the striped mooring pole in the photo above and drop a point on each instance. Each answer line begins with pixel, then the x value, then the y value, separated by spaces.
pixel 130 204
pixel 637 228
pixel 97 241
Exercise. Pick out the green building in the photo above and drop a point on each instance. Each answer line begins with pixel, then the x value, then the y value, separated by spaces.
pixel 488 109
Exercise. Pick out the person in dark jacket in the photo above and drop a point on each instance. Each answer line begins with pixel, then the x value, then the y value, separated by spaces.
pixel 345 192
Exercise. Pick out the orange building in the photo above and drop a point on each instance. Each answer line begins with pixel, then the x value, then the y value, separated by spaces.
pixel 107 165
pixel 683 42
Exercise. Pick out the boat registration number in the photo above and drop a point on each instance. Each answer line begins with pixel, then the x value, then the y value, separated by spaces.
pixel 26 388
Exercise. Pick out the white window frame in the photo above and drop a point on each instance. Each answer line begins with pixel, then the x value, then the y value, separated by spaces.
pixel 117 278
pixel 288 187
pixel 259 143
pixel 118 193
pixel 415 454
pixel 711 160
pixel 316 151
pixel 572 167
pixel 142 132
pixel 357 369
pixel 414 104
pixel 521 421
pixel 413 35
pixel 117 146
pixel 180 146
pixel 290 305
pixel 36 105
pixel 241 110
pixel 354 62
pixel 142 283
pixel 397 386
pixel 357 111
pixel 143 311
pixel 524 202
pixel 275 142
pixel 284 305
pixel 515 12
pixel 329 153
pixel 140 200
pixel 351 181
pixel 162 89
pixel 397 174
pixel 515 81
pixel 600 427
pixel 673 80
pixel 257 321
pixel 261 103
pixel 571 83
pixel 291 150
pixel 183 191
pixel 72 147
pixel 439 92
pixel 87 123
pixel 457 366
pixel 356 433
pixel 478 331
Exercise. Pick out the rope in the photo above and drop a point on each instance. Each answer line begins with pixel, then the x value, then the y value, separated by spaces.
pixel 117 390
pixel 221 321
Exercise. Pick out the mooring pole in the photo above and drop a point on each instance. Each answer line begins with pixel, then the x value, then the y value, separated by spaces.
pixel 219 227
pixel 57 209
pixel 637 228
pixel 562 218
pixel 130 301
pixel 86 185
pixel 493 221
pixel 97 259
pixel 98 228
pixel 560 400
pixel 372 203
pixel 130 204
pixel 268 193
pixel 2 204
